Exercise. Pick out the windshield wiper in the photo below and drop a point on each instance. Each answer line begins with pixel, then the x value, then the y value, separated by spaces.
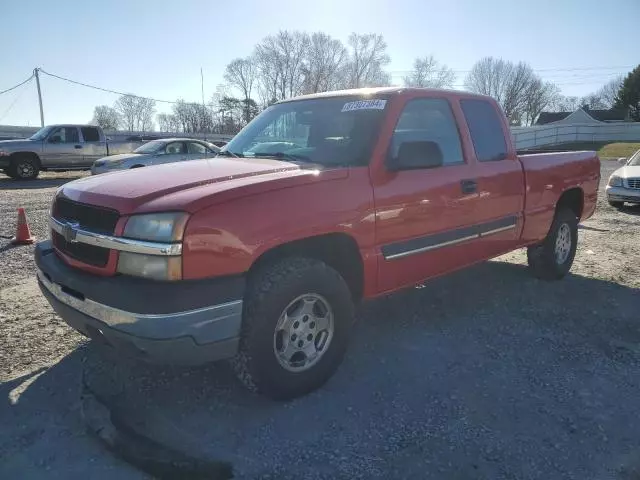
pixel 227 153
pixel 292 157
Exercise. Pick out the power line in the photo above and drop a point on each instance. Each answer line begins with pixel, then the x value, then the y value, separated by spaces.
pixel 16 86
pixel 15 100
pixel 536 70
pixel 107 89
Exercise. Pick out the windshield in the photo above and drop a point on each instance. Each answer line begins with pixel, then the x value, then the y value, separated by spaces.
pixel 151 147
pixel 41 134
pixel 326 131
pixel 635 160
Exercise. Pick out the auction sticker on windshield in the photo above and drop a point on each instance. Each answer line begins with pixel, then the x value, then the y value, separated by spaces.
pixel 376 104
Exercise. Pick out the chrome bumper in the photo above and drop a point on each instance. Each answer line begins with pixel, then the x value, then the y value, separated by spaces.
pixel 204 325
pixel 620 194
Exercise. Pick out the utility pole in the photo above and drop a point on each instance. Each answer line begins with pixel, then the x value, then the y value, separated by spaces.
pixel 204 110
pixel 35 72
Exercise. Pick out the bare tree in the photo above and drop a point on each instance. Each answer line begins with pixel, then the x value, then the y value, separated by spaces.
pixel 241 74
pixel 608 92
pixel 127 106
pixel 106 117
pixel 367 59
pixel 428 72
pixel 137 112
pixel 324 65
pixel 146 112
pixel 539 97
pixel 505 81
pixel 168 122
pixel 280 59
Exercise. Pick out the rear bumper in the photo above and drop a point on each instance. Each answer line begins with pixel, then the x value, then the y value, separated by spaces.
pixel 4 161
pixel 620 194
pixel 161 322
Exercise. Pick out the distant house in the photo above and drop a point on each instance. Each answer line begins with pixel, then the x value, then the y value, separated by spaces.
pixel 585 115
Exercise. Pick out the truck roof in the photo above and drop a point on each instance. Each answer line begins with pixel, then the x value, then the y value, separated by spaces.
pixel 367 92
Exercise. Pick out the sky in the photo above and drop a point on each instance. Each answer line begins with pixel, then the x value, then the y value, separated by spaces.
pixel 157 48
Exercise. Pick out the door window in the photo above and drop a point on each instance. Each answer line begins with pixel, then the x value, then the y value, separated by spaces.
pixel 176 148
pixel 65 135
pixel 90 134
pixel 429 120
pixel 196 148
pixel 486 131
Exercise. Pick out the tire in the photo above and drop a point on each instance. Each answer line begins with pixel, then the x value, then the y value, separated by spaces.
pixel 136 166
pixel 9 172
pixel 281 287
pixel 552 259
pixel 617 205
pixel 25 168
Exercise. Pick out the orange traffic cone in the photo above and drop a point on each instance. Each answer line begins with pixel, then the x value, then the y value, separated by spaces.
pixel 23 234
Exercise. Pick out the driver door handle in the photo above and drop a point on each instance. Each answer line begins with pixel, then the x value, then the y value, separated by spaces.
pixel 468 186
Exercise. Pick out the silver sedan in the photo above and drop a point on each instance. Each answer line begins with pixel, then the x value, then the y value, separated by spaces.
pixel 624 183
pixel 156 152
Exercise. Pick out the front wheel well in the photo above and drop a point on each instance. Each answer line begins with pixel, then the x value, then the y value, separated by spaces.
pixel 572 199
pixel 18 155
pixel 338 250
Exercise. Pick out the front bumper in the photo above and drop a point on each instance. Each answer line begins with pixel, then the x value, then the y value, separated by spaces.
pixel 4 161
pixel 180 323
pixel 620 194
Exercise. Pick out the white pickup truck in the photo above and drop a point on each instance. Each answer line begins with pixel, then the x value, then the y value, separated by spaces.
pixel 58 147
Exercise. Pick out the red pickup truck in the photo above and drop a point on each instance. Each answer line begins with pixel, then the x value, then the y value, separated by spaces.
pixel 259 255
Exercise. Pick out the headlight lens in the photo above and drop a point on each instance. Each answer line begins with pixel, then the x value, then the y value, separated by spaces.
pixel 615 181
pixel 155 267
pixel 156 227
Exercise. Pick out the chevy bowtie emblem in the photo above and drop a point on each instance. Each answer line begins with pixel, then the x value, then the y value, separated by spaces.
pixel 69 231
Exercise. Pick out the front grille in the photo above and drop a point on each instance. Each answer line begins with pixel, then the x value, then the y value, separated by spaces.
pixel 633 183
pixel 89 254
pixel 90 217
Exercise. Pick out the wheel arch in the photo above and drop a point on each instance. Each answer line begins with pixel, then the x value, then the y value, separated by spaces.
pixel 573 199
pixel 338 250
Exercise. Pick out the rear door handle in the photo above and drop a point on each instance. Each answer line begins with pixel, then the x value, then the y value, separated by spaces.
pixel 77 146
pixel 468 186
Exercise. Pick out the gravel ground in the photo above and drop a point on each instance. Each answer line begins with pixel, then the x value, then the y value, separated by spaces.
pixel 522 379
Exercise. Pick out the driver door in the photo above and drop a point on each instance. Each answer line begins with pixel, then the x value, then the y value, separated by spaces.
pixel 62 148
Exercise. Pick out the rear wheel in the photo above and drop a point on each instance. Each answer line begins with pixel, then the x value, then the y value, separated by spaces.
pixel 9 172
pixel 297 317
pixel 553 257
pixel 25 167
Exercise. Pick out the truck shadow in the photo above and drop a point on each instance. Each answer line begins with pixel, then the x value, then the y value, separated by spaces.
pixel 463 378
pixel 10 184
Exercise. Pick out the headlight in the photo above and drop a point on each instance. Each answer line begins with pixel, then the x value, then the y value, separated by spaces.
pixel 156 267
pixel 156 227
pixel 615 181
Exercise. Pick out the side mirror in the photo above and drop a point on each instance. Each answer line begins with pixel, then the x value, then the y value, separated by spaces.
pixel 55 139
pixel 414 155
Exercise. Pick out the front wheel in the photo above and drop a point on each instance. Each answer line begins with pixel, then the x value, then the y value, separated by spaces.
pixel 297 317
pixel 617 205
pixel 552 259
pixel 25 168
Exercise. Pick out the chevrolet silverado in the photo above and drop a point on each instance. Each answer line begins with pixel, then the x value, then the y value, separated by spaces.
pixel 260 255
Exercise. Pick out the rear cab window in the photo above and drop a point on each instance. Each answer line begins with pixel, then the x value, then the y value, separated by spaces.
pixel 485 127
pixel 90 134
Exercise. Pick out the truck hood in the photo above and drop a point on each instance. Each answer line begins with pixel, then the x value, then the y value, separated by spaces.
pixel 189 186
pixel 15 145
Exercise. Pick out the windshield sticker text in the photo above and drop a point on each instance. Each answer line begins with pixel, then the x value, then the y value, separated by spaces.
pixel 364 105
